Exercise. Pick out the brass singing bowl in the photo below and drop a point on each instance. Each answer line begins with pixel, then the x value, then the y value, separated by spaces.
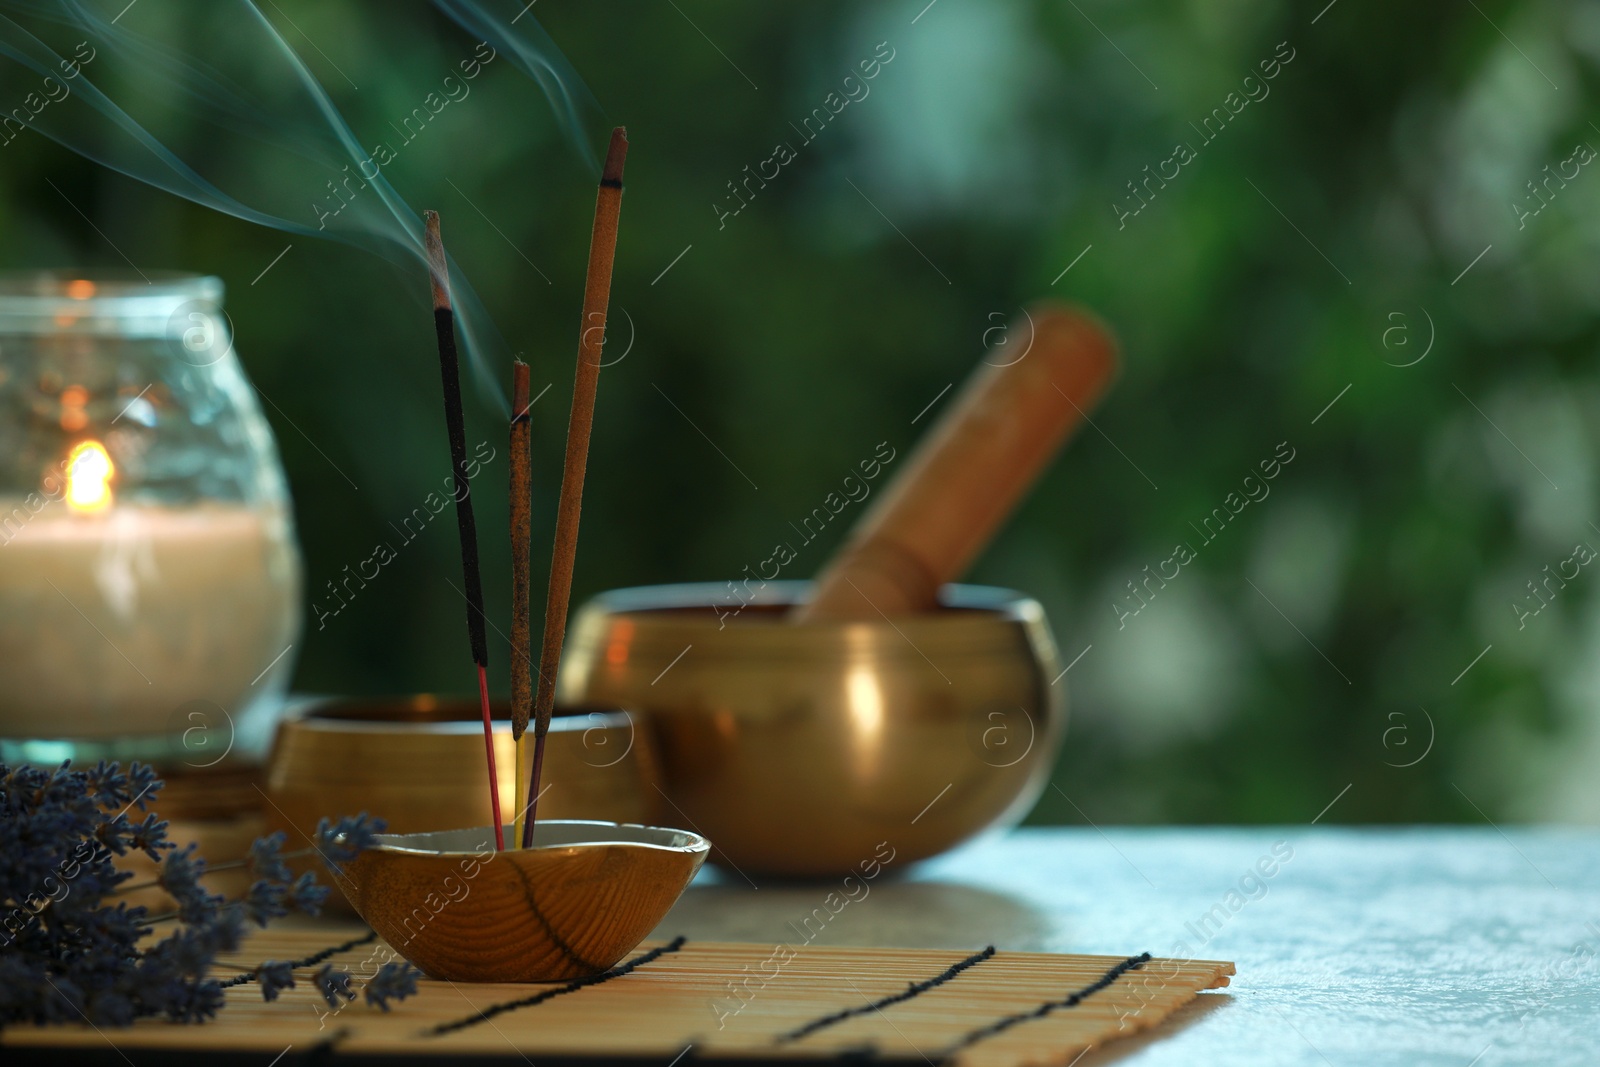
pixel 571 906
pixel 418 763
pixel 800 748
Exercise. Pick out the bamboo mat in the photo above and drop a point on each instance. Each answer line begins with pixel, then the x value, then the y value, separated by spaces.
pixel 696 1000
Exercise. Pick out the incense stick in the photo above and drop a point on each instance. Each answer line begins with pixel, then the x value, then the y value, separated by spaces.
pixel 521 550
pixel 444 323
pixel 591 336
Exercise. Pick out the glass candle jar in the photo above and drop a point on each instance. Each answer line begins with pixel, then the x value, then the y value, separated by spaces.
pixel 150 586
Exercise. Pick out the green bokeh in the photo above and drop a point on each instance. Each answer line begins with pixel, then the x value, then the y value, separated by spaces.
pixel 1305 649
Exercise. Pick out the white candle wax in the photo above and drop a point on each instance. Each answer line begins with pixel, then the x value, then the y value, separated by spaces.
pixel 111 622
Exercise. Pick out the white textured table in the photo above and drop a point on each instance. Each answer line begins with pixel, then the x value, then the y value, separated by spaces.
pixel 1449 946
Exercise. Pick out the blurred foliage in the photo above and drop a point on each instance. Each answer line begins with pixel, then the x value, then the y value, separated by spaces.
pixel 1318 641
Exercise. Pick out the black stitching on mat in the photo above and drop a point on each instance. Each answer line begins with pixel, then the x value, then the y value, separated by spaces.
pixel 1132 963
pixel 913 989
pixel 571 987
pixel 309 961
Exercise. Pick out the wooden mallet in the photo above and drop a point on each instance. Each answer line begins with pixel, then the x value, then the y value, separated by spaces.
pixel 971 469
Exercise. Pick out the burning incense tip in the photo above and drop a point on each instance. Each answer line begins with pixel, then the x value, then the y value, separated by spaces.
pixel 519 389
pixel 438 272
pixel 611 175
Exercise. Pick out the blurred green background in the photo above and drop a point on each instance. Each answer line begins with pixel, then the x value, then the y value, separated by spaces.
pixel 1360 616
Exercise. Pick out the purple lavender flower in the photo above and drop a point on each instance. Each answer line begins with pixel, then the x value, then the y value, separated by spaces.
pixel 180 876
pixel 226 932
pixel 340 842
pixel 274 977
pixel 333 984
pixel 195 1002
pixel 266 861
pixel 307 896
pixel 394 981
pixel 116 834
pixel 143 784
pixel 150 837
pixel 108 785
pixel 265 901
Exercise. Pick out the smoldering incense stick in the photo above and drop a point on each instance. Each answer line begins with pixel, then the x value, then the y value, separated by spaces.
pixel 444 322
pixel 521 549
pixel 591 336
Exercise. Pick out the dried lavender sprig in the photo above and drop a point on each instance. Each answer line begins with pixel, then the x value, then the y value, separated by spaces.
pixel 70 954
pixel 265 861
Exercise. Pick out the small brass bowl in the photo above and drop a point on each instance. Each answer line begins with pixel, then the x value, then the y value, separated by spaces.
pixel 572 906
pixel 418 763
pixel 800 749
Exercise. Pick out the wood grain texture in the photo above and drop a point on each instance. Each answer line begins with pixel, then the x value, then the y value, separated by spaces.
pixel 686 996
pixel 971 470
pixel 568 910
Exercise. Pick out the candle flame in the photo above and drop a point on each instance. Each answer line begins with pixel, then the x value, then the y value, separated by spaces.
pixel 89 471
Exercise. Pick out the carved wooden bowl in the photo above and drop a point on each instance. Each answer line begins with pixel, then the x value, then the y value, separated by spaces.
pixel 571 906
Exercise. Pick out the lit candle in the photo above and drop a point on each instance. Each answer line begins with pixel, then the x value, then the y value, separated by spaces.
pixel 115 615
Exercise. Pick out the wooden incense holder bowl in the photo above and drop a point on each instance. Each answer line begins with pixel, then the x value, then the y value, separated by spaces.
pixel 571 906
pixel 800 748
pixel 418 763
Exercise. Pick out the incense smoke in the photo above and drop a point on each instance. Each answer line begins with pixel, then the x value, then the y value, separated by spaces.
pixel 107 92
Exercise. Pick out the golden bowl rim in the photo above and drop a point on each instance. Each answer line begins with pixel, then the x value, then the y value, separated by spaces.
pixel 959 601
pixel 310 717
pixel 977 621
pixel 696 844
